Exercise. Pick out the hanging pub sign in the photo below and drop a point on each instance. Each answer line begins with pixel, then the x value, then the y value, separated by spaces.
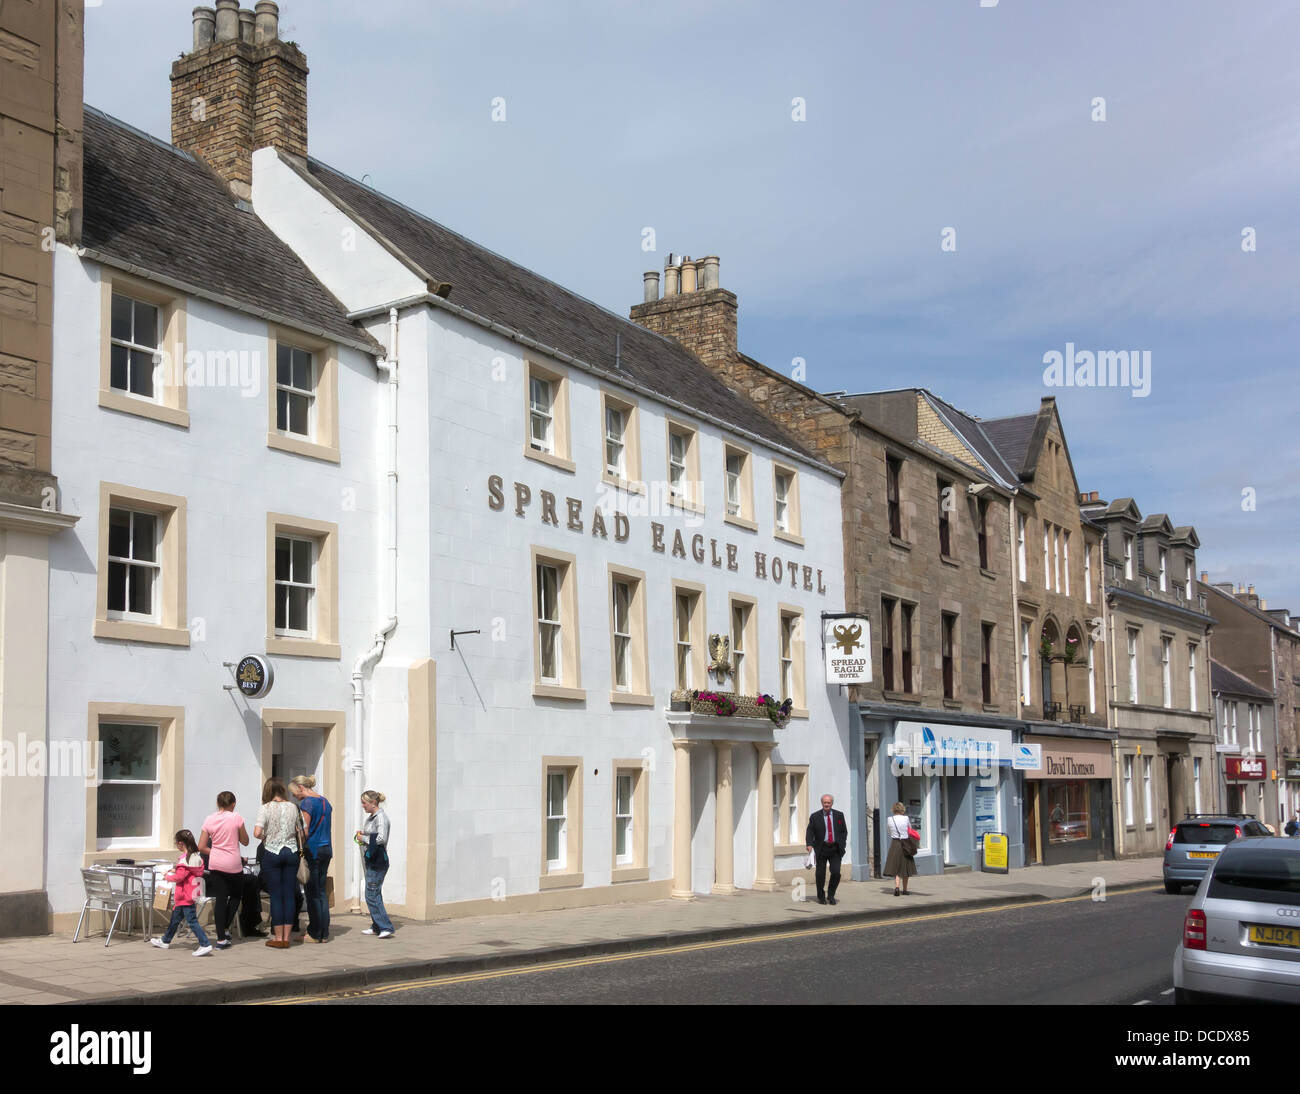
pixel 846 645
pixel 254 676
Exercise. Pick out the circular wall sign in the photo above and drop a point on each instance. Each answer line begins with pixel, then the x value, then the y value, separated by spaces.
pixel 254 676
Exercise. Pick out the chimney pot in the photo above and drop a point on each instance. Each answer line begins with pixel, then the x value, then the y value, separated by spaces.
pixel 709 272
pixel 1205 577
pixel 672 281
pixel 1250 590
pixel 205 27
pixel 651 281
pixel 227 20
pixel 689 276
pixel 267 27
pixel 246 19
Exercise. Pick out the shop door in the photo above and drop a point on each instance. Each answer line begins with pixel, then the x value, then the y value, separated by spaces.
pixel 298 752
pixel 1174 788
pixel 944 821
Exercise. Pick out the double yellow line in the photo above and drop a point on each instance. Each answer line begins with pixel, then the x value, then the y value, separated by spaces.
pixel 667 951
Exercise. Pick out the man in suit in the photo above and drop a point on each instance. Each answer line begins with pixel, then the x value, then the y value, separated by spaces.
pixel 828 836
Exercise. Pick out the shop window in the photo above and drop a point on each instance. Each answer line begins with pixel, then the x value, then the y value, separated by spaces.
pixel 1068 818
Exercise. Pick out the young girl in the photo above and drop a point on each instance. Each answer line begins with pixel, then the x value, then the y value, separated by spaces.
pixel 187 875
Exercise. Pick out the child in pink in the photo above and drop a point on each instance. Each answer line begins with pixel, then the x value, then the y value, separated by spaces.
pixel 187 875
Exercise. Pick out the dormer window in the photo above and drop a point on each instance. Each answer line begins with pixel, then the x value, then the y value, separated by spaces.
pixel 1164 570
pixel 1128 558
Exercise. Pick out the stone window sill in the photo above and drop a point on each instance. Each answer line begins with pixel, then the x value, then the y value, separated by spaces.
pixel 948 560
pixel 789 537
pixel 145 633
pixel 629 873
pixel 630 699
pixel 300 447
pixel 558 691
pixel 902 544
pixel 303 647
pixel 560 881
pixel 111 399
pixel 549 459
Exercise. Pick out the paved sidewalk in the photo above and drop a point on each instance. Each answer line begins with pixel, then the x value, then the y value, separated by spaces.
pixel 53 970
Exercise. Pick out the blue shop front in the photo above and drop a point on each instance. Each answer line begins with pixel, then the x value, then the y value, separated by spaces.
pixel 956 783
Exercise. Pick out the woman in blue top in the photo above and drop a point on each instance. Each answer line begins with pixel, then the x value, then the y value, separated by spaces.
pixel 317 814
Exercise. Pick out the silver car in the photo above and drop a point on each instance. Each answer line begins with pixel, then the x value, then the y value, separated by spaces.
pixel 1241 934
pixel 1195 842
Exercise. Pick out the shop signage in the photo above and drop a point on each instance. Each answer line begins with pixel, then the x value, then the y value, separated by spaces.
pixel 603 517
pixel 254 676
pixel 986 810
pixel 1027 757
pixel 1245 767
pixel 1070 758
pixel 846 644
pixel 1293 769
pixel 927 742
pixel 997 858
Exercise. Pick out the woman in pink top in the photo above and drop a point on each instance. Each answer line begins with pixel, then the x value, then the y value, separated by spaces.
pixel 222 833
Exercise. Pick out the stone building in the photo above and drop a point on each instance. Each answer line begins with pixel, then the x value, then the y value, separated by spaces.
pixel 1246 740
pixel 1262 645
pixel 1159 699
pixel 40 208
pixel 927 541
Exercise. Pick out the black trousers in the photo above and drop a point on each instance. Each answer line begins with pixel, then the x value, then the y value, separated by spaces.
pixel 225 890
pixel 833 857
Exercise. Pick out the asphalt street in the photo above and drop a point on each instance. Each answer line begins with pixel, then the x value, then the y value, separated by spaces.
pixel 1077 951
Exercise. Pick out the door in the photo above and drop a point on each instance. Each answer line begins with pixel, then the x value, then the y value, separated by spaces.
pixel 298 752
pixel 944 820
pixel 1031 822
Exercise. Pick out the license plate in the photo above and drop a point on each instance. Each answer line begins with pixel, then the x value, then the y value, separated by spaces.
pixel 1274 936
pixel 1202 854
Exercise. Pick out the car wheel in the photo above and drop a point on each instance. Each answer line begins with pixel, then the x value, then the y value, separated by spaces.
pixel 1173 887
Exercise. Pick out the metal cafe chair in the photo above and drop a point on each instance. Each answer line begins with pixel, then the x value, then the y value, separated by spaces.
pixel 102 894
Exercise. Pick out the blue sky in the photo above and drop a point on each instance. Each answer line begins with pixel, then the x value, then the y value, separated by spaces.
pixel 1117 234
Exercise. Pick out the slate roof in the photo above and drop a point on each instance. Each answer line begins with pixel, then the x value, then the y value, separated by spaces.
pixel 1011 437
pixel 1223 678
pixel 974 432
pixel 495 288
pixel 151 205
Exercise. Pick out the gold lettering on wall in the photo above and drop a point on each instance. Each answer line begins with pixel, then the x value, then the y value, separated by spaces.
pixel 548 509
pixel 522 497
pixel 598 525
pixel 575 514
pixel 496 499
pixel 656 537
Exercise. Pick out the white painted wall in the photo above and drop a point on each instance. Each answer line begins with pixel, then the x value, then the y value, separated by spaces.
pixel 231 480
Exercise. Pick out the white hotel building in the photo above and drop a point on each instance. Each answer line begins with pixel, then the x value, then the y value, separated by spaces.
pixel 383 434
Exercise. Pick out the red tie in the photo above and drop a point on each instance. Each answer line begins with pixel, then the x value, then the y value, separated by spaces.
pixel 829 837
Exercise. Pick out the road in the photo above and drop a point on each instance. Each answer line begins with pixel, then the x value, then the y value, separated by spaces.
pixel 1073 951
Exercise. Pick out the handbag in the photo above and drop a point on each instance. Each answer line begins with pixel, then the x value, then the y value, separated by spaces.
pixel 304 871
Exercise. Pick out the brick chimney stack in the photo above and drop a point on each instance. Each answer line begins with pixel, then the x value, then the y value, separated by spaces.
pixel 694 309
pixel 239 89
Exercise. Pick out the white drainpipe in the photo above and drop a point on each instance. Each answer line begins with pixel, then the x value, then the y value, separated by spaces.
pixel 367 661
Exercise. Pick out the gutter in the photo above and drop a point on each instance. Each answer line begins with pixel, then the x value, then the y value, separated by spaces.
pixel 617 378
pixel 225 301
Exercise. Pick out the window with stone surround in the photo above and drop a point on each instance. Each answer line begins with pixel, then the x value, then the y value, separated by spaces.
pixel 630 816
pixel 302 595
pixel 1021 554
pixel 744 644
pixel 684 466
pixel 739 484
pixel 561 864
pixel 621 422
pixel 141 575
pixel 948 653
pixel 629 665
pixel 546 408
pixel 791 649
pixel 888 609
pixel 986 662
pixel 142 349
pixel 946 505
pixel 786 516
pixel 893 494
pixel 303 402
pixel 789 807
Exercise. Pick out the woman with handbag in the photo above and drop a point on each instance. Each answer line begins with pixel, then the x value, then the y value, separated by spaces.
pixel 372 838
pixel 279 828
pixel 902 848
pixel 317 814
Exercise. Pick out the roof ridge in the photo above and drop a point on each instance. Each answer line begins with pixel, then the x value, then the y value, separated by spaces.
pixel 104 115
pixel 495 254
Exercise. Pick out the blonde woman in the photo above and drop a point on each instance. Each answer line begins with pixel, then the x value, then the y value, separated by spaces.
pixel 900 862
pixel 317 815
pixel 372 838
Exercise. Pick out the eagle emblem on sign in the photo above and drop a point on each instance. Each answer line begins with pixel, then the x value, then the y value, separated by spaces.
pixel 848 638
pixel 720 652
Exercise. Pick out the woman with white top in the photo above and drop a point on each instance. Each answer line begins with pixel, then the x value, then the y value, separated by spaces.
pixel 372 837
pixel 279 827
pixel 900 863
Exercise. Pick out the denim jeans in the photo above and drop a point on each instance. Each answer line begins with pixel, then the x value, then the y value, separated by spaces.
pixel 280 871
pixel 185 912
pixel 318 905
pixel 375 899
